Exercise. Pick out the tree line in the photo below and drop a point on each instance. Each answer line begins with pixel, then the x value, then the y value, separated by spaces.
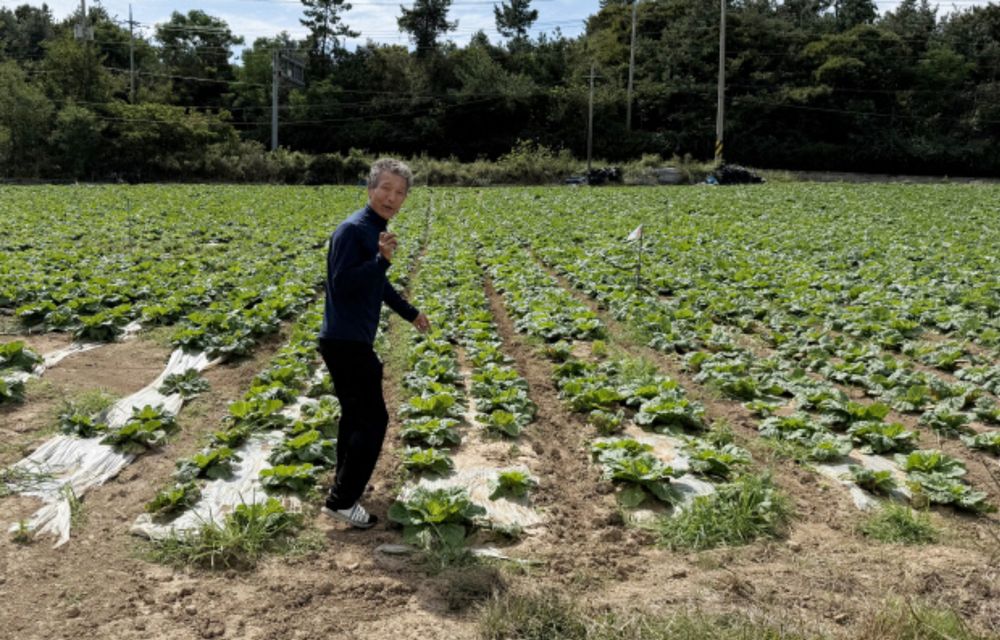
pixel 810 84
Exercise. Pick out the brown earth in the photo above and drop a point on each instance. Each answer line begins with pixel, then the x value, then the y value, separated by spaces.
pixel 117 369
pixel 823 577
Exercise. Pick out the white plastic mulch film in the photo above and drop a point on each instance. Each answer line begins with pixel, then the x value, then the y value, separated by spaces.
pixel 841 473
pixel 66 467
pixel 670 449
pixel 472 474
pixel 480 482
pixel 220 497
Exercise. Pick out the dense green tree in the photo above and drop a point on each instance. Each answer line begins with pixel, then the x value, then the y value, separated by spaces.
pixel 22 31
pixel 851 13
pixel 76 70
pixel 195 51
pixel 25 122
pixel 821 84
pixel 158 141
pixel 76 142
pixel 426 22
pixel 915 22
pixel 250 97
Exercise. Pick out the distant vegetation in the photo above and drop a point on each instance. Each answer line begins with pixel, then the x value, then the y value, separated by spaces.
pixel 811 84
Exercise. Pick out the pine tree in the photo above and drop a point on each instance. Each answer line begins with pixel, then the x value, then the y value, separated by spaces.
pixel 323 18
pixel 515 18
pixel 427 20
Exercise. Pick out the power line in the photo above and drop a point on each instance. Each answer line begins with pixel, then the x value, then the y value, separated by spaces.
pixel 409 112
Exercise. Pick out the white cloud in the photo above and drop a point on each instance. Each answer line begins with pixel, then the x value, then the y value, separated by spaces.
pixel 253 19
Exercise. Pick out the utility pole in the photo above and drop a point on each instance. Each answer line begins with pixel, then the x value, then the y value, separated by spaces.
pixel 275 85
pixel 631 68
pixel 722 83
pixel 590 119
pixel 131 57
pixel 82 30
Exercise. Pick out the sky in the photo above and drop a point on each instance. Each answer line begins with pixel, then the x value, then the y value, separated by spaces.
pixel 374 19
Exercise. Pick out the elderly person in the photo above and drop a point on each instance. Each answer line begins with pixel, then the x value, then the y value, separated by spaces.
pixel 358 258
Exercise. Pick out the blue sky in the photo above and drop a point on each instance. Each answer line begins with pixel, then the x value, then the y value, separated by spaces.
pixel 375 19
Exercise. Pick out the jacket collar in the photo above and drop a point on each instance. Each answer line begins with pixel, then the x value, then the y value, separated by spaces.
pixel 370 215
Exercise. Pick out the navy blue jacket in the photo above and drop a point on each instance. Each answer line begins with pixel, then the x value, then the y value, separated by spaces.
pixel 356 284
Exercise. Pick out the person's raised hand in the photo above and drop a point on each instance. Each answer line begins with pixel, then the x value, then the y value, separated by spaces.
pixel 422 324
pixel 387 244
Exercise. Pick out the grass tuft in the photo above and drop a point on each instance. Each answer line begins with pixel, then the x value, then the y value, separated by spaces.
pixel 916 621
pixel 22 535
pixel 88 403
pixel 549 616
pixel 899 524
pixel 245 536
pixel 738 513
pixel 532 617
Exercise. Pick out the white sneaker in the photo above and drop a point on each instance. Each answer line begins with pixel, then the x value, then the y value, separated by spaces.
pixel 356 516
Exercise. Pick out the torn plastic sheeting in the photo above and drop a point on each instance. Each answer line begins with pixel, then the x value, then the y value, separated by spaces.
pixel 52 359
pixel 480 483
pixel 863 500
pixel 220 497
pixel 22 376
pixel 84 463
pixel 294 411
pixel 480 552
pixel 64 464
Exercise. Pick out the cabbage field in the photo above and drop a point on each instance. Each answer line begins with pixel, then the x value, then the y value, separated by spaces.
pixel 771 411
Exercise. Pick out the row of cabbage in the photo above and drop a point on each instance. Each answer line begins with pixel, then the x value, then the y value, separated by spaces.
pixel 273 445
pixel 612 393
pixel 600 266
pixel 462 389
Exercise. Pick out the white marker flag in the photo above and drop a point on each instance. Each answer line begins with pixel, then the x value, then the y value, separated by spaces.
pixel 635 235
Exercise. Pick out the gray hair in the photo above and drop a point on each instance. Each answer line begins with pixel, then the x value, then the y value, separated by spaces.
pixel 389 165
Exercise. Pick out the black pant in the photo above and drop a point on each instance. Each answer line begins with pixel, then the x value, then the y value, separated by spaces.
pixel 357 379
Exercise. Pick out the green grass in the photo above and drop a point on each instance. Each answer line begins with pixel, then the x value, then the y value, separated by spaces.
pixel 917 621
pixel 12 479
pixel 783 450
pixel 551 616
pixel 89 403
pixel 22 535
pixel 532 617
pixel 246 535
pixel 738 513
pixel 899 524
pixel 40 389
pixel 77 515
pixel 160 336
